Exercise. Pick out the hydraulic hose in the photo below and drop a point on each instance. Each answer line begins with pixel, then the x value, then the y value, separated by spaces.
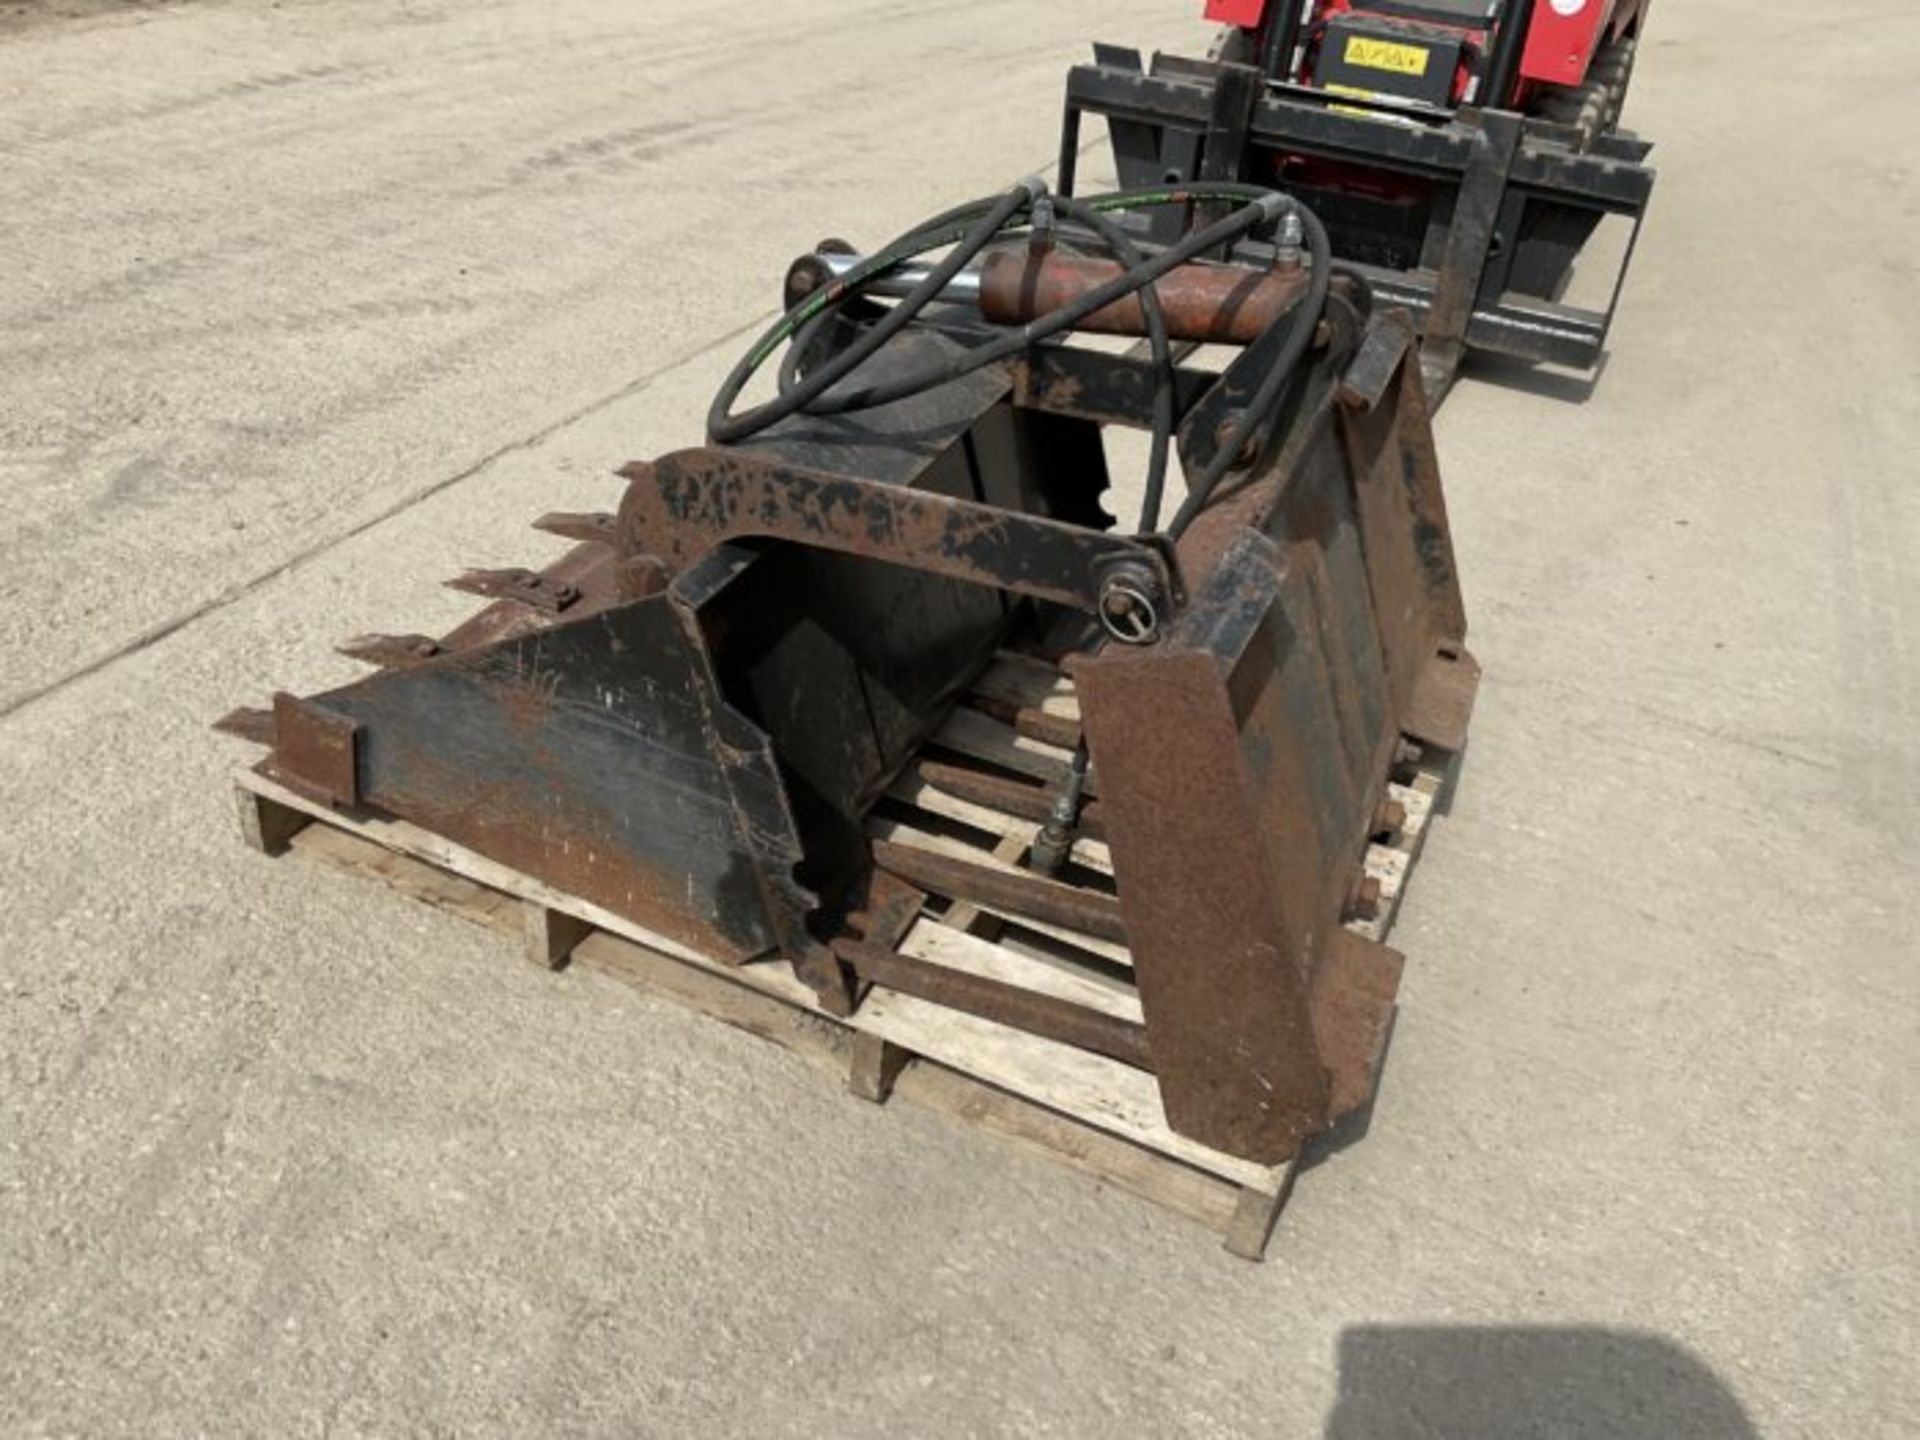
pixel 1304 320
pixel 946 229
pixel 1158 341
pixel 970 229
pixel 726 429
pixel 1165 373
pixel 1012 341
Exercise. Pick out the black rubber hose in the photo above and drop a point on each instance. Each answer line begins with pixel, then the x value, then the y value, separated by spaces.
pixel 790 362
pixel 1166 376
pixel 1011 342
pixel 1304 319
pixel 1008 213
pixel 725 429
pixel 1159 343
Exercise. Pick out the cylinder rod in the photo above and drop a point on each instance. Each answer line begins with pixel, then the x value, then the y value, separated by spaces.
pixel 1203 303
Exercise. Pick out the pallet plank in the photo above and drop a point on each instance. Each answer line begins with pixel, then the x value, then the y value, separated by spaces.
pixel 983 738
pixel 1030 684
pixel 409 839
pixel 267 826
pixel 418 880
pixel 550 936
pixel 902 833
pixel 910 790
pixel 965 915
pixel 1254 1216
pixel 1107 1158
pixel 1103 1093
pixel 1392 862
pixel 1092 1089
pixel 1091 1112
pixel 939 944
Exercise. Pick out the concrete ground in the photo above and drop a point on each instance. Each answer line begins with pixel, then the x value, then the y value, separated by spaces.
pixel 308 306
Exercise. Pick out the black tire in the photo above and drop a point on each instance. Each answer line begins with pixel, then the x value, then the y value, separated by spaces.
pixel 1631 48
pixel 1594 105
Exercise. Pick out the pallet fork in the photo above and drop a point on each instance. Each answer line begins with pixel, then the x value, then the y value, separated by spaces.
pixel 1509 199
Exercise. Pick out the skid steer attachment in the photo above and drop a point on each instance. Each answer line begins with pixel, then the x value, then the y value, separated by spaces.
pixel 693 717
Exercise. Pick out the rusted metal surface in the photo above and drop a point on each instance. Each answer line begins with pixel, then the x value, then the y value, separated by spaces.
pixel 1095 386
pixel 1048 729
pixel 579 754
pixel 1363 385
pixel 1207 426
pixel 1087 911
pixel 885 910
pixel 316 750
pixel 529 587
pixel 1389 820
pixel 590 572
pixel 1208 304
pixel 1231 1033
pixel 1028 1010
pixel 1442 699
pixel 592 526
pixel 1244 760
pixel 1363 902
pixel 1408 544
pixel 390 652
pixel 1352 1004
pixel 690 503
pixel 688 717
pixel 1014 797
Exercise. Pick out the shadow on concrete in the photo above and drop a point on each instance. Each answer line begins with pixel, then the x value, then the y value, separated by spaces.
pixel 1505 1383
pixel 1567 387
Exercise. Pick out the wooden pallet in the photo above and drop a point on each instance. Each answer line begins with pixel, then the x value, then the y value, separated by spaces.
pixel 1095 1114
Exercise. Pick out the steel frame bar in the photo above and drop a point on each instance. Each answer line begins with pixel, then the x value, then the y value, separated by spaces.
pixel 1163 123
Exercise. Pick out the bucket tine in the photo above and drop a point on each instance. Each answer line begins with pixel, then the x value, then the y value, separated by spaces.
pixel 529 587
pixel 593 527
pixel 390 652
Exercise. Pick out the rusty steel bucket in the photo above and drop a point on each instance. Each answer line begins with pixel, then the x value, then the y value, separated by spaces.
pixel 690 718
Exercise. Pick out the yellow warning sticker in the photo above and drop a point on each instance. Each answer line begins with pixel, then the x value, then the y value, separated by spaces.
pixel 1383 116
pixel 1385 55
pixel 1348 90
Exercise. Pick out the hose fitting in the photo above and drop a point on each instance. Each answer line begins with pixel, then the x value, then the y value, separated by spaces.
pixel 1054 843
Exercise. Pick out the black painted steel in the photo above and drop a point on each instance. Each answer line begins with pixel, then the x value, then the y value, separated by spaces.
pixel 1532 207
